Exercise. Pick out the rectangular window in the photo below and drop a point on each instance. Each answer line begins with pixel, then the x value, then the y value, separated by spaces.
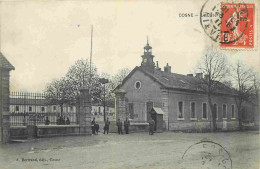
pixel 204 111
pixel 30 108
pixel 192 110
pixel 16 108
pixel 233 111
pixel 54 108
pixel 99 110
pixel 42 109
pixel 224 110
pixel 180 110
pixel 215 110
pixel 131 110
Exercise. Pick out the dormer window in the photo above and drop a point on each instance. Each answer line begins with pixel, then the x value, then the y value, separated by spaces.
pixel 138 85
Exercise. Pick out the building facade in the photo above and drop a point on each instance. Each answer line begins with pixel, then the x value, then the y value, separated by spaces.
pixel 40 106
pixel 184 106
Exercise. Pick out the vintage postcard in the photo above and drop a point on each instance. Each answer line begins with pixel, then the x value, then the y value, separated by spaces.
pixel 129 84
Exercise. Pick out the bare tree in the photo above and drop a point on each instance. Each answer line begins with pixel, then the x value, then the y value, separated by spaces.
pixel 119 77
pixel 247 86
pixel 214 66
pixel 79 74
pixel 114 81
pixel 57 93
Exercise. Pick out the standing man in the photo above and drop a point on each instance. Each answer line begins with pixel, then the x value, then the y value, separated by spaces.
pixel 151 127
pixel 126 125
pixel 119 126
pixel 47 121
pixel 96 128
pixel 106 127
pixel 93 126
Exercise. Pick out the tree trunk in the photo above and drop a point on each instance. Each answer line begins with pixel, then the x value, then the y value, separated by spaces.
pixel 213 115
pixel 239 111
pixel 240 118
pixel 61 109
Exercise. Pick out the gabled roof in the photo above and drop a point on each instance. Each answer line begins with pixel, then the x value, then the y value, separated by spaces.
pixel 4 63
pixel 176 81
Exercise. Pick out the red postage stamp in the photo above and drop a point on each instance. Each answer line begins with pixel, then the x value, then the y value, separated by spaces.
pixel 237 25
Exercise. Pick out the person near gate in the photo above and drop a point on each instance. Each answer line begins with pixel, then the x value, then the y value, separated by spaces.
pixel 151 127
pixel 106 127
pixel 126 125
pixel 97 128
pixel 119 126
pixel 47 121
pixel 93 126
pixel 68 121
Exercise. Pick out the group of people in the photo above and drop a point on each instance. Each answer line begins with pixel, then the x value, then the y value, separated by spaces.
pixel 95 126
pixel 119 125
pixel 61 120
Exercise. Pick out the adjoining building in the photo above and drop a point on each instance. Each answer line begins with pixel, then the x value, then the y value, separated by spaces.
pixel 182 104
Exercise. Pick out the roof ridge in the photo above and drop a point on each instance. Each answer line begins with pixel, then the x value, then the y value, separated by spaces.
pixel 4 63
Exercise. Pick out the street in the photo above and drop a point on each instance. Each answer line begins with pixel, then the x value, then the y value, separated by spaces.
pixel 137 150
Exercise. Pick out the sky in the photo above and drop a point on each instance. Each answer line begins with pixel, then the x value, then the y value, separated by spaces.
pixel 42 39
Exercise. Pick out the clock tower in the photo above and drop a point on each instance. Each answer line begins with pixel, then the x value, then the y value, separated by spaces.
pixel 147 59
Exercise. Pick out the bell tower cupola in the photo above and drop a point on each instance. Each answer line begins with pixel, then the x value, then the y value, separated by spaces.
pixel 147 59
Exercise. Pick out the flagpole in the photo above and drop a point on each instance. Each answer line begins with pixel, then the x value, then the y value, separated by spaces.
pixel 91 46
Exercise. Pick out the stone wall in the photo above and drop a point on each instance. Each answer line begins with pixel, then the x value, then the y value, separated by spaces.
pixel 4 105
pixel 58 130
pixel 199 123
pixel 22 132
pixel 18 132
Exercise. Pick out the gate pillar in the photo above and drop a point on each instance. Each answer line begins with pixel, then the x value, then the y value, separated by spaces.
pixel 120 104
pixel 5 68
pixel 84 112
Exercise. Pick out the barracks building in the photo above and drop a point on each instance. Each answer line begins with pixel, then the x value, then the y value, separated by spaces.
pixel 171 99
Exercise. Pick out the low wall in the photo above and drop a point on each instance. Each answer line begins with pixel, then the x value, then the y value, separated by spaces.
pixel 57 130
pixel 19 132
pixel 133 128
pixel 138 127
pixel 22 132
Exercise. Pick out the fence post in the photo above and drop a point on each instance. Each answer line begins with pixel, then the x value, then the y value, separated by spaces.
pixel 84 113
pixel 5 68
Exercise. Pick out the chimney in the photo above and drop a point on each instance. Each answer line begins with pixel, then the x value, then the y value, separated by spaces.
pixel 167 68
pixel 157 66
pixel 199 75
pixel 191 75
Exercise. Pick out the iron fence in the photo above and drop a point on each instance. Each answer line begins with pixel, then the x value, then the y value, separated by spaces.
pixel 35 109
